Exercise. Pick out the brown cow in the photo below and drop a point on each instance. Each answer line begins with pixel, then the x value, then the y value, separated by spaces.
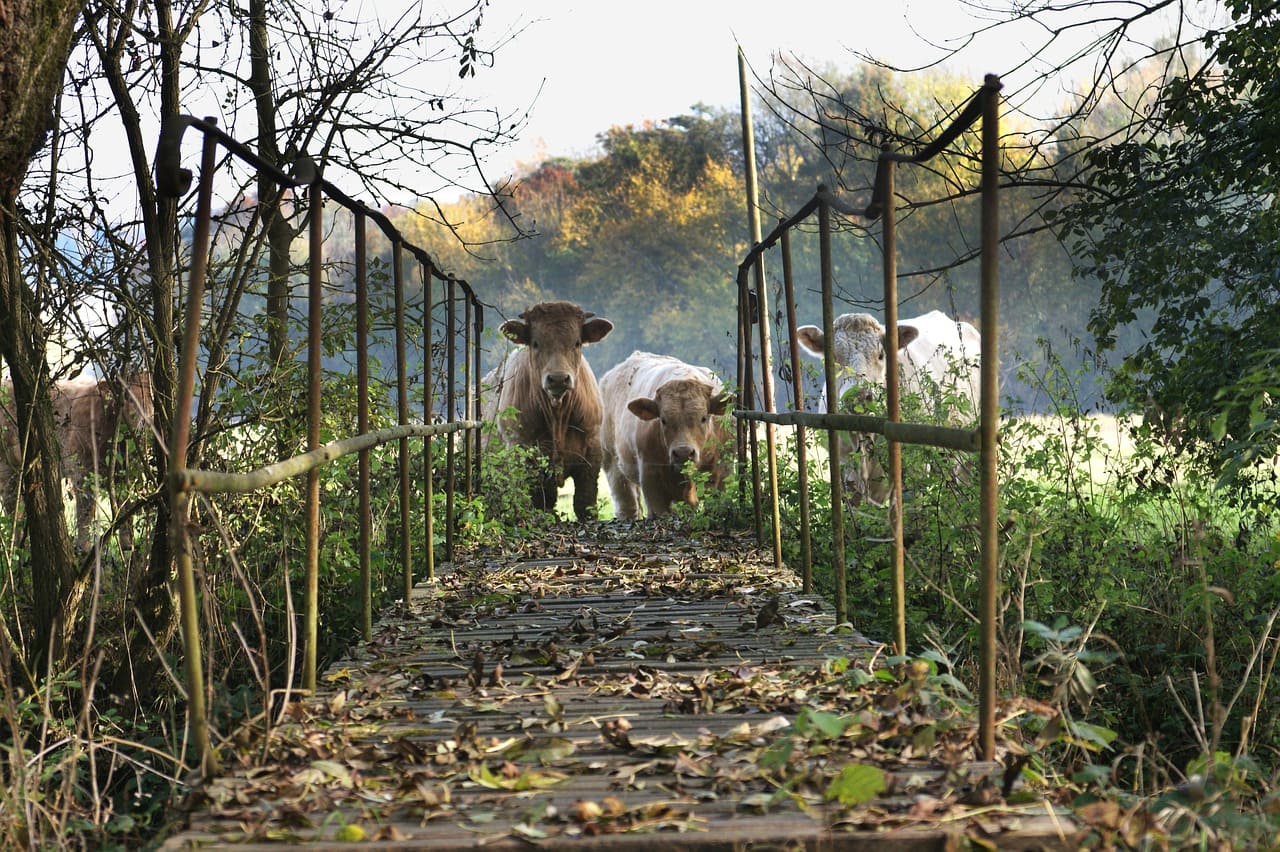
pixel 660 415
pixel 557 402
pixel 89 415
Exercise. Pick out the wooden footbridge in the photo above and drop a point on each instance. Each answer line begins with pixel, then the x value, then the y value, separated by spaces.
pixel 612 685
pixel 620 686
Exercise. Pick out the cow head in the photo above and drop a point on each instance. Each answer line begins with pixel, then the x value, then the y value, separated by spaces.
pixel 555 333
pixel 684 409
pixel 859 353
pixel 858 350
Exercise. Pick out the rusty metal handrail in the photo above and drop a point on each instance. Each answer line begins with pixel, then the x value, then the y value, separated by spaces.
pixel 984 105
pixel 221 482
pixel 174 181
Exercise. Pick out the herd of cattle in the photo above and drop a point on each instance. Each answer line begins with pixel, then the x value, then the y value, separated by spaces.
pixel 646 423
pixel 653 417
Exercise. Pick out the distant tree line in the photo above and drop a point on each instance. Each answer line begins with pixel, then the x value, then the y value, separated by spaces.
pixel 650 231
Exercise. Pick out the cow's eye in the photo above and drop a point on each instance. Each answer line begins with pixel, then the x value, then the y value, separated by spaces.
pixel 578 344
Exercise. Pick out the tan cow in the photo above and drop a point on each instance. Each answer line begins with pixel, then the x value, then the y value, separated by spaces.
pixel 661 415
pixel 556 400
pixel 90 416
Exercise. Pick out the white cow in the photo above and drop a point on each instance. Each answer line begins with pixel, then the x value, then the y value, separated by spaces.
pixel 661 416
pixel 938 365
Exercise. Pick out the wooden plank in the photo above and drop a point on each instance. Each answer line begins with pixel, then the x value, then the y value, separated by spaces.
pixel 658 693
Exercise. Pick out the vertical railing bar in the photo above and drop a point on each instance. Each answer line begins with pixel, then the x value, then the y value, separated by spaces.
pixel 833 440
pixel 740 435
pixel 428 444
pixel 990 415
pixel 802 450
pixel 362 426
pixel 749 385
pixel 893 406
pixel 469 366
pixel 477 379
pixel 315 317
pixel 451 393
pixel 179 438
pixel 770 405
pixel 762 302
pixel 402 408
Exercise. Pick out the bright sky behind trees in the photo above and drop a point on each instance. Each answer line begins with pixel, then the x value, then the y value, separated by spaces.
pixel 593 65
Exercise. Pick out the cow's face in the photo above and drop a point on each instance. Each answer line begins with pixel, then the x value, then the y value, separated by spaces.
pixel 555 333
pixel 685 411
pixel 858 351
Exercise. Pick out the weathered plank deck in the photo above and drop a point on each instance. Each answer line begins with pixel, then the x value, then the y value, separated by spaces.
pixel 620 687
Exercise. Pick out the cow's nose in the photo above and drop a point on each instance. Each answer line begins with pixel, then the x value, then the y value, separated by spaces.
pixel 682 454
pixel 558 383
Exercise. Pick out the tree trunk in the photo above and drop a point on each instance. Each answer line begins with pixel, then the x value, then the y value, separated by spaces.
pixel 152 592
pixel 35 40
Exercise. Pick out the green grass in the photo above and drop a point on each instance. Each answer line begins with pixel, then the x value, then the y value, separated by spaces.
pixel 604 504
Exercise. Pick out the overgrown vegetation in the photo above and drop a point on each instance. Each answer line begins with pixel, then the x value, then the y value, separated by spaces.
pixel 1138 598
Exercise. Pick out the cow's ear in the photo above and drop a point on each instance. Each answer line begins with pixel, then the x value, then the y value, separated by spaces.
pixel 594 330
pixel 906 334
pixel 811 340
pixel 516 331
pixel 644 408
pixel 720 403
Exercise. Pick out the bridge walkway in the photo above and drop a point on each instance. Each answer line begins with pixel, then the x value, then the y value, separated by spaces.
pixel 619 686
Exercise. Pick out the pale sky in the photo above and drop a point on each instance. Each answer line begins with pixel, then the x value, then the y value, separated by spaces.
pixel 601 64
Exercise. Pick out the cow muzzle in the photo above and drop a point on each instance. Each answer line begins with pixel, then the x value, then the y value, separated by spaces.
pixel 682 454
pixel 557 385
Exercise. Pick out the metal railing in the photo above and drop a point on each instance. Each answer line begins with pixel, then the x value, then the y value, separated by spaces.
pixel 983 105
pixel 459 412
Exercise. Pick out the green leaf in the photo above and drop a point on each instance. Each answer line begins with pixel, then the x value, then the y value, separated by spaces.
pixel 777 755
pixel 856 783
pixel 826 725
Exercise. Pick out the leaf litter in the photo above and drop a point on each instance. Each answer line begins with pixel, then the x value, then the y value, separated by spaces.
pixel 614 679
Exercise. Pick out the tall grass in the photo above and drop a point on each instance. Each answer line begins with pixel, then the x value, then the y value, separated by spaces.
pixel 1137 598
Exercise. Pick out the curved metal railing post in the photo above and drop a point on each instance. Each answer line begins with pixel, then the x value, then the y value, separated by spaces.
pixel 174 181
pixel 983 105
pixel 428 446
pixel 402 417
pixel 451 391
pixel 990 406
pixel 801 438
pixel 362 426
